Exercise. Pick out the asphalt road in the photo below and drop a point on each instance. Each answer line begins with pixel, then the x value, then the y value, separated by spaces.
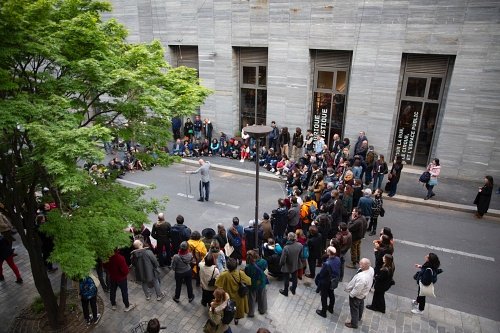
pixel 468 248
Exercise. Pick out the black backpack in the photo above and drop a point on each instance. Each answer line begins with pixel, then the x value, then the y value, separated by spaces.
pixel 229 312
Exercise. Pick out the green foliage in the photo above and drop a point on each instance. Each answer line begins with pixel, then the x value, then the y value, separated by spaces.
pixel 37 306
pixel 68 80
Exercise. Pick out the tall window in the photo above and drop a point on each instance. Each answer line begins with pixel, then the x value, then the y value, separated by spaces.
pixel 253 85
pixel 421 95
pixel 329 95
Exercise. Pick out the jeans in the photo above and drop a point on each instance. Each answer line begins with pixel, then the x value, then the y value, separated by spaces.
pixel 156 285
pixel 429 190
pixel 204 188
pixel 377 180
pixel 287 281
pixel 123 288
pixel 356 306
pixel 181 278
pixel 93 306
pixel 355 251
pixel 373 224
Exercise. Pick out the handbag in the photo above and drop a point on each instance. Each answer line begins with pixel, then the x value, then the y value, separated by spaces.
pixel 243 288
pixel 228 249
pixel 426 290
pixel 211 282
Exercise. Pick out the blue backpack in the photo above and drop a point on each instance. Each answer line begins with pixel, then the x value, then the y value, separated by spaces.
pixel 88 288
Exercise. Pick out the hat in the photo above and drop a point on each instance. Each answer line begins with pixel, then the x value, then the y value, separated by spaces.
pixel 183 246
pixel 266 216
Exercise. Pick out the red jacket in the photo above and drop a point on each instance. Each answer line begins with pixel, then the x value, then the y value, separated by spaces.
pixel 117 267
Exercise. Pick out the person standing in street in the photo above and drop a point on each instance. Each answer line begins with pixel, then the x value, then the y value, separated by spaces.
pixel 357 227
pixel 257 297
pixel 394 176
pixel 297 143
pixel 205 179
pixel 290 262
pixel 146 270
pixel 434 169
pixel 483 197
pixel 383 281
pixel 181 265
pixel 330 269
pixel 358 288
pixel 428 273
pixel 118 272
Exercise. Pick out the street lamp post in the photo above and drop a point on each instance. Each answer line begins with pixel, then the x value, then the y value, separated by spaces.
pixel 257 132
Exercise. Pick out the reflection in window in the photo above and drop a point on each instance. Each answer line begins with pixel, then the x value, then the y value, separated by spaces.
pixel 249 75
pixel 416 86
pixel 325 80
pixel 262 76
pixel 341 81
pixel 435 88
pixel 426 132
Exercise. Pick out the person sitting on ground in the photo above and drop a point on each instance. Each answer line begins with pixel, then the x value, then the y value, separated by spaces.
pixel 177 148
pixel 271 252
pixel 226 150
pixel 187 149
pixel 244 153
pixel 214 147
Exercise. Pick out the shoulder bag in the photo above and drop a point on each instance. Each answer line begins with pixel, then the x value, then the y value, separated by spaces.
pixel 211 282
pixel 228 248
pixel 426 290
pixel 243 288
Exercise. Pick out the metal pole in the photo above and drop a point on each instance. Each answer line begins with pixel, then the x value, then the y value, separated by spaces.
pixel 256 221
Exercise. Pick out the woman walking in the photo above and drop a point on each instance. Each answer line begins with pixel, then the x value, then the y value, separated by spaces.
pixel 383 281
pixel 428 274
pixel 255 270
pixel 434 169
pixel 181 265
pixel 483 197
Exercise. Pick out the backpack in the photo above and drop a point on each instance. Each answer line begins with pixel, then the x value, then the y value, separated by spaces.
pixel 425 177
pixel 88 288
pixel 229 312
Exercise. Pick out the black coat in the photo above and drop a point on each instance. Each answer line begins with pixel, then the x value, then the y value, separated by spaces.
pixel 483 199
pixel 315 244
pixel 383 279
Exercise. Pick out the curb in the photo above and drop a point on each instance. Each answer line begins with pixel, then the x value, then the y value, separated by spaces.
pixel 398 198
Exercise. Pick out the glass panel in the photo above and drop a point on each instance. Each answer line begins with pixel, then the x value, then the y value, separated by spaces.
pixel 341 83
pixel 325 80
pixel 249 75
pixel 425 134
pixel 247 110
pixel 322 105
pixel 416 86
pixel 337 120
pixel 262 76
pixel 435 88
pixel 261 107
pixel 406 133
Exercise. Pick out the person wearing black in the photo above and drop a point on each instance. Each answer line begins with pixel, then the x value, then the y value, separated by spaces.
pixel 315 244
pixel 428 274
pixel 383 281
pixel 330 268
pixel 179 233
pixel 394 175
pixel 297 143
pixel 273 136
pixel 161 232
pixel 279 221
pixel 483 197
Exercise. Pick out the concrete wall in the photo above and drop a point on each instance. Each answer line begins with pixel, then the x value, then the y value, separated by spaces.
pixel 378 32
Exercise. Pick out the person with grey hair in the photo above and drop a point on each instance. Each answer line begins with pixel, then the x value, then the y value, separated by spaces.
pixel 358 288
pixel 204 187
pixel 146 270
pixel 330 268
pixel 161 232
pixel 365 204
pixel 290 263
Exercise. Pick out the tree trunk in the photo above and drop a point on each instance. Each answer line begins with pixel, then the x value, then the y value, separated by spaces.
pixel 63 296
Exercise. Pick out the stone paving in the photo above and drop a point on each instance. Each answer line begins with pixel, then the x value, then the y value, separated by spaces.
pixel 295 313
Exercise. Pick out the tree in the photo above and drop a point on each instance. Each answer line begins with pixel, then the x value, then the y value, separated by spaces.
pixel 69 81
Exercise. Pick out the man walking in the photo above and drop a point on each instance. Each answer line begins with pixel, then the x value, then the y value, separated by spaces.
pixel 358 288
pixel 290 262
pixel 205 179
pixel 118 272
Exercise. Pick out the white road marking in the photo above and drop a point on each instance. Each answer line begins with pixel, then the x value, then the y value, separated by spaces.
pixel 131 182
pixel 442 249
pixel 185 195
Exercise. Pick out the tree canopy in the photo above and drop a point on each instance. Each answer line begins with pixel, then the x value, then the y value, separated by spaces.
pixel 68 81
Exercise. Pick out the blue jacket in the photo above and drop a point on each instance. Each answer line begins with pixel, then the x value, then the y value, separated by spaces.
pixel 428 275
pixel 365 205
pixel 322 279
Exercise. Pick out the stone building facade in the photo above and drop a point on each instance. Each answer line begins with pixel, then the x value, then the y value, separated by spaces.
pixel 421 77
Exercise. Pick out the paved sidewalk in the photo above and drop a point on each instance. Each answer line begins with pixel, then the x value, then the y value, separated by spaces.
pixel 455 194
pixel 295 313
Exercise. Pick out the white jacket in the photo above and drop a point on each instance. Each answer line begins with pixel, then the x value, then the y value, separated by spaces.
pixel 360 284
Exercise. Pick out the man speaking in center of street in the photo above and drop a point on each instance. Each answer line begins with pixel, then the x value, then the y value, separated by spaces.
pixel 205 179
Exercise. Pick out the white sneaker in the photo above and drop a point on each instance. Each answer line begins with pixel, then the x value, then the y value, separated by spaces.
pixel 159 298
pixel 113 307
pixel 130 307
pixel 416 311
pixel 97 319
pixel 148 297
pixel 414 302
pixel 242 160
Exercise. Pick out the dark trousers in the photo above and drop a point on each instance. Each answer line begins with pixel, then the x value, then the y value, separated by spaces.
pixel 204 188
pixel 429 190
pixel 163 257
pixel 311 262
pixel 207 296
pixel 356 306
pixel 420 301
pixel 100 275
pixel 342 264
pixel 326 293
pixel 373 224
pixel 378 301
pixel 181 278
pixel 394 187
pixel 287 281
pixel 93 305
pixel 123 288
